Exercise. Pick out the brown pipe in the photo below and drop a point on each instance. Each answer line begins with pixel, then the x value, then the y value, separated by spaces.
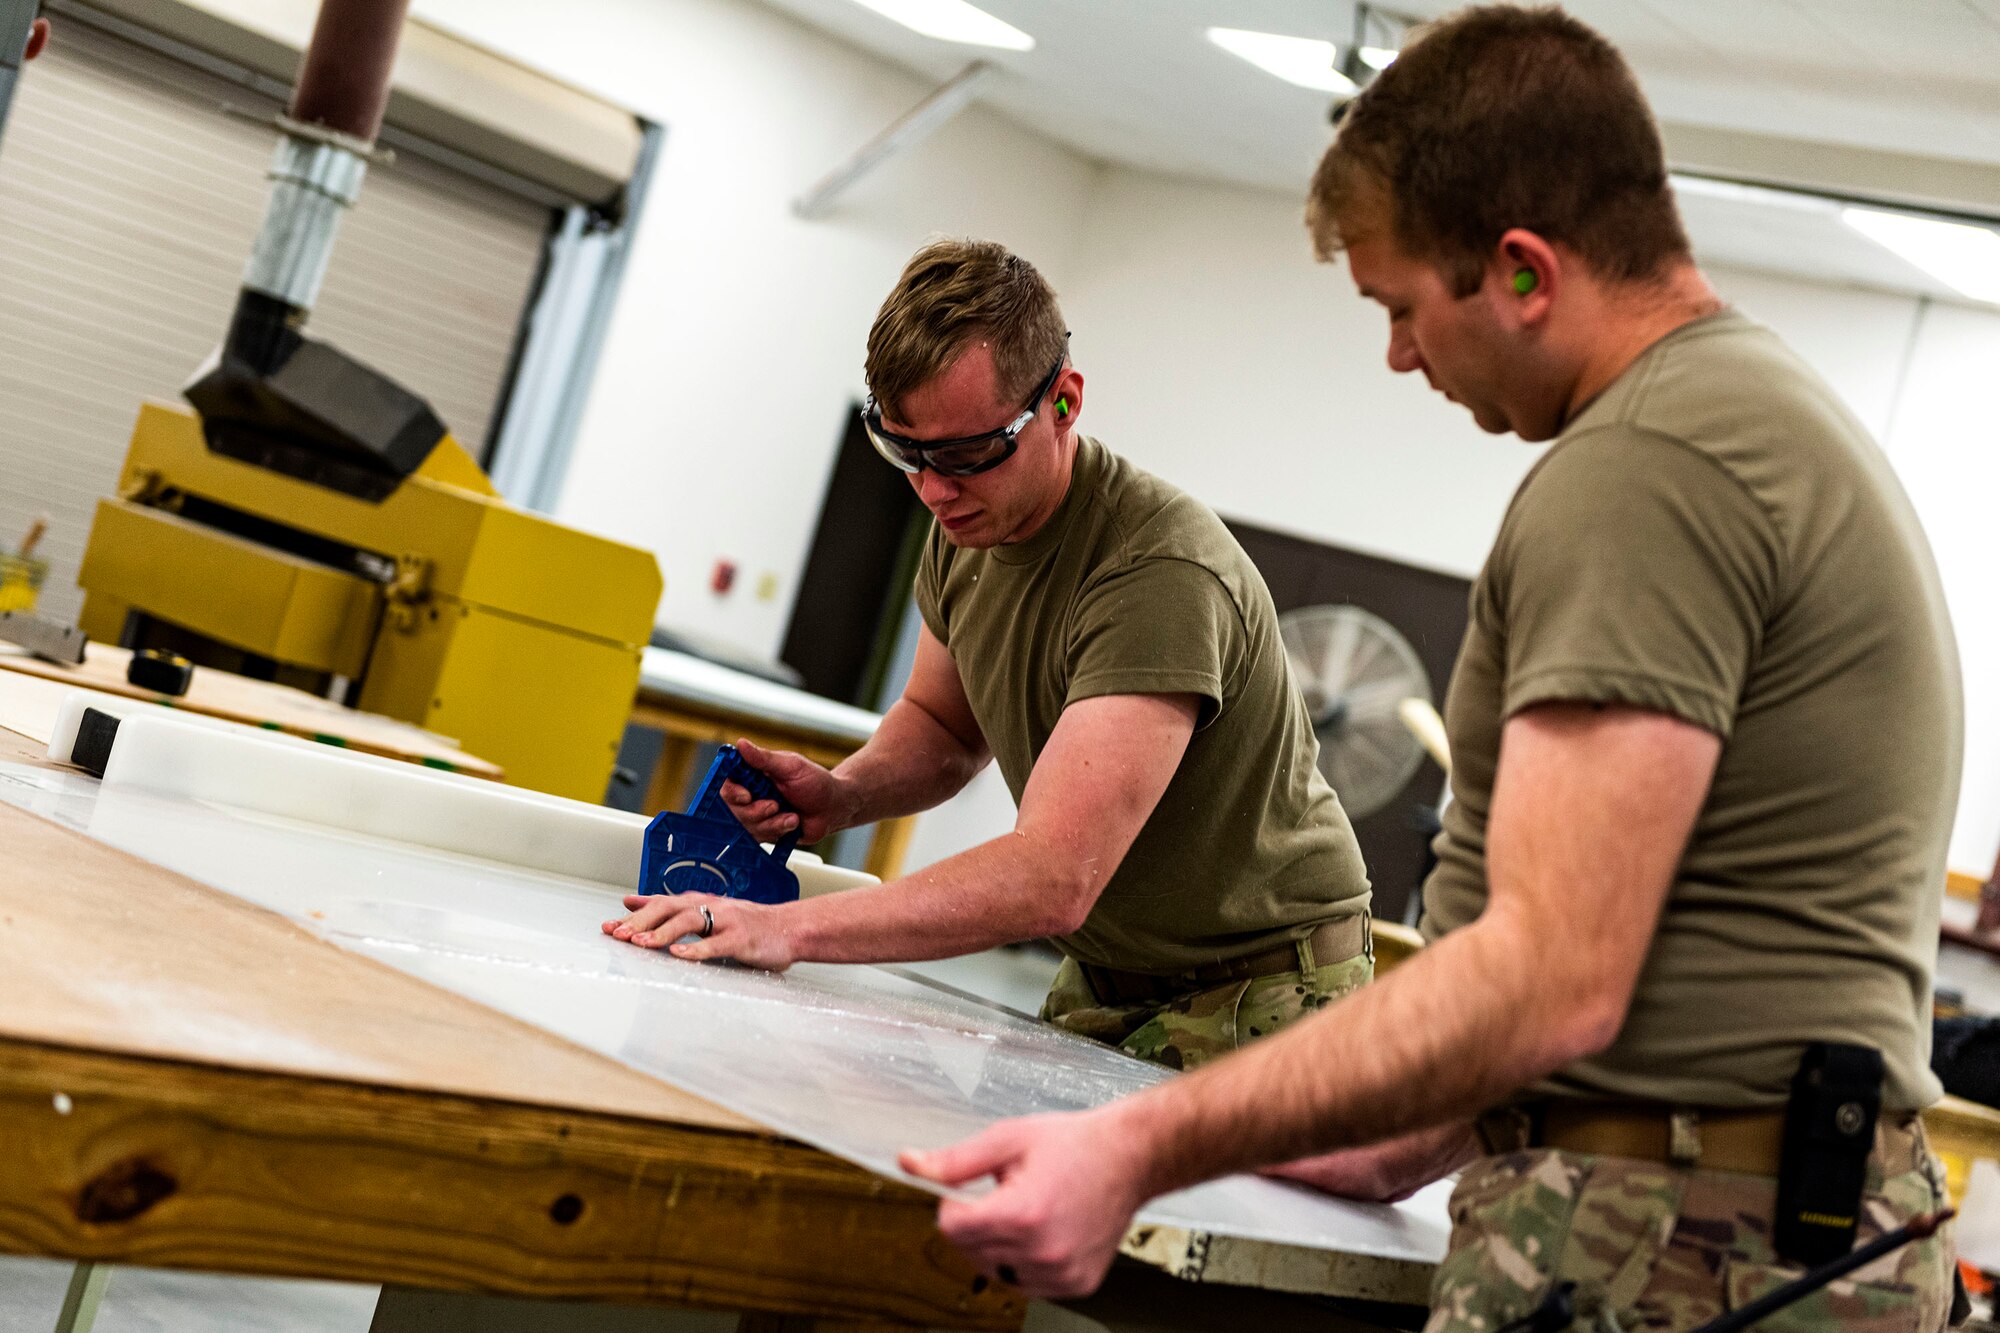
pixel 344 79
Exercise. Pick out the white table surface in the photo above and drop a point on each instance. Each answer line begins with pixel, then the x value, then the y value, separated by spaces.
pixel 688 679
pixel 854 1060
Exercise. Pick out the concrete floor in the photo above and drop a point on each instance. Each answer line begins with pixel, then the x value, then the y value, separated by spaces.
pixel 140 1300
pixel 147 1300
pixel 150 1300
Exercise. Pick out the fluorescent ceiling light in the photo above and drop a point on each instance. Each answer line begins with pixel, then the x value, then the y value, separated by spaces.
pixel 1760 196
pixel 1306 61
pixel 1961 255
pixel 953 21
pixel 1379 58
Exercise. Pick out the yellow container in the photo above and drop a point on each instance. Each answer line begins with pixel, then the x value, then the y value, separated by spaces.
pixel 20 582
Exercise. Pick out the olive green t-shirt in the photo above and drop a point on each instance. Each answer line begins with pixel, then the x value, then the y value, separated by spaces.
pixel 1717 538
pixel 1133 587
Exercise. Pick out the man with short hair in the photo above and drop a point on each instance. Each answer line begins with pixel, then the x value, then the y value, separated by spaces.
pixel 1103 637
pixel 1706 736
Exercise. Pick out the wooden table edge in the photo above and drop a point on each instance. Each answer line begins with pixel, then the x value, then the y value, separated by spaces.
pixel 173 1163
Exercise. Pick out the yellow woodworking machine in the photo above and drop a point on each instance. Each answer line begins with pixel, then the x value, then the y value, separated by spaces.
pixel 437 602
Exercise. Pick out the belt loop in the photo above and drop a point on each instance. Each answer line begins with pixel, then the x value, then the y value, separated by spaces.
pixel 1684 1137
pixel 1368 934
pixel 1308 965
pixel 1506 1129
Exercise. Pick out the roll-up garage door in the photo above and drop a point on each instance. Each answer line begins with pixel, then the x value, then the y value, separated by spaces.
pixel 131 186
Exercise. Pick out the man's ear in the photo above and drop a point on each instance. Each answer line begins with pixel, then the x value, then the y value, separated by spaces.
pixel 1529 273
pixel 1067 398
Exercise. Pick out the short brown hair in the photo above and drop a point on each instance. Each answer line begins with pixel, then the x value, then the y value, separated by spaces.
pixel 953 293
pixel 1498 117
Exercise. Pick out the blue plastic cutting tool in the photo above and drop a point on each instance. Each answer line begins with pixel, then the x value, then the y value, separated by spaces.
pixel 707 850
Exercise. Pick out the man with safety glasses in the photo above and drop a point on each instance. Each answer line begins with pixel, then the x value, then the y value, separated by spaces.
pixel 1104 638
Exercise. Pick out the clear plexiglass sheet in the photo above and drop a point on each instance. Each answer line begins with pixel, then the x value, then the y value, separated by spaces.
pixel 854 1060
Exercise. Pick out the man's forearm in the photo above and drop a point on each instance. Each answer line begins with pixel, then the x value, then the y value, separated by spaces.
pixel 1001 892
pixel 1459 1026
pixel 1387 1171
pixel 912 763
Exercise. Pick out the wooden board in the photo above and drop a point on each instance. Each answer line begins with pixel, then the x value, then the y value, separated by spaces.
pixel 103 951
pixel 191 1166
pixel 30 706
pixel 262 704
pixel 195 1082
pixel 1961 1132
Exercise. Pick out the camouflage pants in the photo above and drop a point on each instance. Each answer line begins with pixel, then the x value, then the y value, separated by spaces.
pixel 1660 1247
pixel 1192 1029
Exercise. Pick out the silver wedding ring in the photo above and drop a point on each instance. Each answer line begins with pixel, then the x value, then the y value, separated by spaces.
pixel 707 923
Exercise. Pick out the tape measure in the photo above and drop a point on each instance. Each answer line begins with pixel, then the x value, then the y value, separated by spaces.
pixel 160 671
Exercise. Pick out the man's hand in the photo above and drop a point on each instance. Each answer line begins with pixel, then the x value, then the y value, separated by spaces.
pixel 1066 1189
pixel 821 800
pixel 1591 814
pixel 1385 1172
pixel 755 934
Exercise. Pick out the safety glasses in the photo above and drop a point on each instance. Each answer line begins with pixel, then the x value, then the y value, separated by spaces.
pixel 967 456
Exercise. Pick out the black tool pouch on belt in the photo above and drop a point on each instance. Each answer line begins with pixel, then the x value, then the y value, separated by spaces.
pixel 1829 1134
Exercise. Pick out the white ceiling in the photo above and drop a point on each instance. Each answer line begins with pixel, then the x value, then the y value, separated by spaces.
pixel 1136 82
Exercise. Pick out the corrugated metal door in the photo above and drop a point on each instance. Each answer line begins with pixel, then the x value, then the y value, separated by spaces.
pixel 128 201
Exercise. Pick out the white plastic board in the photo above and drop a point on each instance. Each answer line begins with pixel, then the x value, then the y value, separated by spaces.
pixel 223 763
pixel 854 1060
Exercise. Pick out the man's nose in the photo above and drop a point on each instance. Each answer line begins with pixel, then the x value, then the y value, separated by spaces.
pixel 933 489
pixel 1403 357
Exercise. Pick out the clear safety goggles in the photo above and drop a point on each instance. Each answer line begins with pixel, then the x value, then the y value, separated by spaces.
pixel 966 456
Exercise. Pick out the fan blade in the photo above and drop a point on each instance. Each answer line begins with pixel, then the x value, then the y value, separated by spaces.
pixel 1377 699
pixel 1304 640
pixel 1339 661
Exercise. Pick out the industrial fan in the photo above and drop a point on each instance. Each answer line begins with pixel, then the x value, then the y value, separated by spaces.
pixel 1356 672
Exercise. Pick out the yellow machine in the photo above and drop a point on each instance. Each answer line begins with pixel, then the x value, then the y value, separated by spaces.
pixel 438 603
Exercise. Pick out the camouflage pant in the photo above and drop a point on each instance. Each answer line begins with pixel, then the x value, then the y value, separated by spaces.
pixel 1191 1029
pixel 1661 1247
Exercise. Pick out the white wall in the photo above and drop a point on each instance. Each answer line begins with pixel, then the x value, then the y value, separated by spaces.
pixel 1218 355
pixel 1945 441
pixel 1216 352
pixel 737 344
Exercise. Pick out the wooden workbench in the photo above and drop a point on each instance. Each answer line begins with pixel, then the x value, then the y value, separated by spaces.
pixel 259 703
pixel 189 1081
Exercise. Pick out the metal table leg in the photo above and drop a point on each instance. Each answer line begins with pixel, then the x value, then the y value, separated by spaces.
pixel 85 1294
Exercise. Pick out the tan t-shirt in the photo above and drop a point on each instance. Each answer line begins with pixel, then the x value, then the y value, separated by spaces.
pixel 1135 588
pixel 1716 537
